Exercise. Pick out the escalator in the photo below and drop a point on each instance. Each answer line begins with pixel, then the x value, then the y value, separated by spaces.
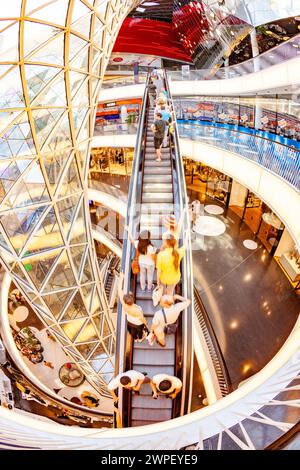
pixel 156 189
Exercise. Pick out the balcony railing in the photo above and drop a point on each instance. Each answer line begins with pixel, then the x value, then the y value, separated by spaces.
pixel 280 159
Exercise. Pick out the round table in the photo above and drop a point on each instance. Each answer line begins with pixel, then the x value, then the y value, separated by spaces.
pixel 209 226
pixel 64 372
pixel 20 313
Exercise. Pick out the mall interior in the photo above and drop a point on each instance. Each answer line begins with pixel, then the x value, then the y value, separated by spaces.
pixel 120 117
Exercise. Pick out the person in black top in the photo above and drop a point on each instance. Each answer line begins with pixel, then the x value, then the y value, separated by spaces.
pixel 158 129
pixel 152 93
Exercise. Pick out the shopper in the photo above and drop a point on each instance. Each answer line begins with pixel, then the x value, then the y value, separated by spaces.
pixel 158 129
pixel 167 385
pixel 166 116
pixel 173 228
pixel 131 380
pixel 168 265
pixel 152 93
pixel 146 258
pixel 136 322
pixel 166 316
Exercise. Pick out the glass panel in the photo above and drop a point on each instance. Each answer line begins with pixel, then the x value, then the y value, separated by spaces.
pixel 45 120
pixel 81 60
pixel 87 334
pixel 46 236
pixel 86 349
pixel 36 34
pixel 9 173
pixel 77 253
pixel 62 276
pixel 57 11
pixel 19 273
pixel 10 9
pixel 83 26
pixel 76 309
pixel 37 77
pixel 11 90
pixel 98 358
pixel 54 164
pixel 86 275
pixel 61 138
pixel 9 47
pixel 73 327
pixel 67 208
pixel 39 266
pixel 87 292
pixel 76 44
pixel 106 331
pixel 51 53
pixel 17 140
pixel 78 233
pixel 57 301
pixel 18 225
pixel 76 80
pixel 79 10
pixel 54 95
pixel 71 181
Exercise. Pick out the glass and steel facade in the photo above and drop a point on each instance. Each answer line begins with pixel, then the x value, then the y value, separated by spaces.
pixel 52 58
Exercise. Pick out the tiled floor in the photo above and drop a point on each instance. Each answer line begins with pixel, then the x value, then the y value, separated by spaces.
pixel 250 302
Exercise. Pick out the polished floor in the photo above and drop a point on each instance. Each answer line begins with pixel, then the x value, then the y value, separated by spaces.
pixel 251 303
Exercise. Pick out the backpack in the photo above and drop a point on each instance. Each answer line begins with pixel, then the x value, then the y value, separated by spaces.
pixel 169 329
pixel 160 127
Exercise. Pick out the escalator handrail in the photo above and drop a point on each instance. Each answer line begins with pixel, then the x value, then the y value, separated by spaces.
pixel 187 266
pixel 120 355
pixel 216 345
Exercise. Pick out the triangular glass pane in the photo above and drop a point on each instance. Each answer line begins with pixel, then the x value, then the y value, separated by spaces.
pixel 86 349
pixel 19 225
pixel 67 208
pixel 98 320
pixel 87 275
pixel 71 181
pixel 57 11
pixel 73 352
pixel 87 334
pixel 79 10
pixel 62 276
pixel 82 152
pixel 61 138
pixel 76 81
pixel 54 163
pixel 98 358
pixel 37 34
pixel 81 60
pixel 9 50
pixel 78 233
pixel 37 77
pixel 38 305
pixel 38 267
pixel 98 38
pixel 57 301
pixel 4 245
pixel 76 309
pixel 73 327
pixel 11 90
pixel 87 292
pixel 77 253
pixel 79 114
pixel 51 53
pixel 45 120
pixel 17 140
pixel 6 117
pixel 53 95
pixel 56 329
pixel 9 173
pixel 30 189
pixel 76 44
pixel 46 236
pixel 106 330
pixel 96 304
pixel 83 26
pixel 19 274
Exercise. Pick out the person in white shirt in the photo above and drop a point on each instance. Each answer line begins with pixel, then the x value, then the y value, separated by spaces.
pixel 173 228
pixel 171 311
pixel 131 380
pixel 167 385
pixel 146 257
pixel 136 322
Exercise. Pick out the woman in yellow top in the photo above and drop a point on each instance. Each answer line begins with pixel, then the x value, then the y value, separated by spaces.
pixel 168 265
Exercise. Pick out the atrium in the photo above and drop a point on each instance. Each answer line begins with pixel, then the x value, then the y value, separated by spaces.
pixel 149 225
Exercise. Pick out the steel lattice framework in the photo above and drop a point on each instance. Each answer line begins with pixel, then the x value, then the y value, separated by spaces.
pixel 52 58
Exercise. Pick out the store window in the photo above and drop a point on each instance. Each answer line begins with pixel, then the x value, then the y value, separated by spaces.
pixel 118 116
pixel 111 160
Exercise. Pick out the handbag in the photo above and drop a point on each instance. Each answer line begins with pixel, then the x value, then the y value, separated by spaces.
pixel 169 329
pixel 135 264
pixel 156 295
